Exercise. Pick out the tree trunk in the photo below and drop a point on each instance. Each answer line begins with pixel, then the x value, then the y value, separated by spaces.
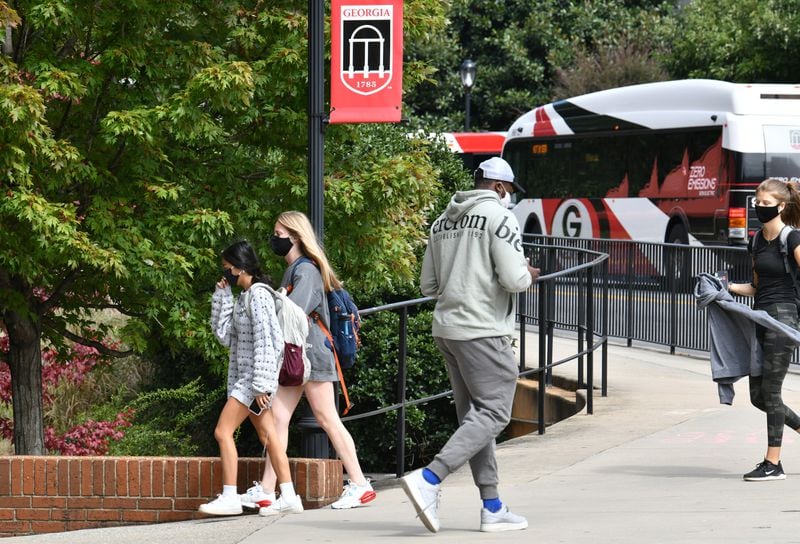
pixel 25 363
pixel 8 48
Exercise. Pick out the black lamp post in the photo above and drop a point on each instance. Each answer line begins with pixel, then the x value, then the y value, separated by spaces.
pixel 314 440
pixel 467 72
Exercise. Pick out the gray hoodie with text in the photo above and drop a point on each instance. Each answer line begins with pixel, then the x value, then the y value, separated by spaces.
pixel 473 264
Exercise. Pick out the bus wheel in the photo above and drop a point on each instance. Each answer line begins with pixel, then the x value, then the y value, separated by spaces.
pixel 678 260
pixel 533 227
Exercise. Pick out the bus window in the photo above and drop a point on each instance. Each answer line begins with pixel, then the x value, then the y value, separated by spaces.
pixel 543 169
pixel 751 167
pixel 600 167
pixel 671 168
pixel 700 142
pixel 642 154
pixel 785 166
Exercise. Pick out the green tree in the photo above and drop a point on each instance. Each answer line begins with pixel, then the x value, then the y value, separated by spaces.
pixel 138 137
pixel 607 67
pixel 520 46
pixel 744 41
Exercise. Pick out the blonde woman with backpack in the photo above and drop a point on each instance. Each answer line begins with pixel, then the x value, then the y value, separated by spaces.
pixel 308 281
pixel 249 328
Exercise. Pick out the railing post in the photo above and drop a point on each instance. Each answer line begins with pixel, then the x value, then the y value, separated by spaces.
pixel 604 325
pixel 522 304
pixel 400 443
pixel 673 300
pixel 581 332
pixel 629 301
pixel 589 341
pixel 543 287
pixel 551 318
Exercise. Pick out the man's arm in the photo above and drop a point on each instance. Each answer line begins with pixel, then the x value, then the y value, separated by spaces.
pixel 428 283
pixel 512 268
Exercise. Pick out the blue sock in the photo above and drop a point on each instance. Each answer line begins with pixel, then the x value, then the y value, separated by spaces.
pixel 492 505
pixel 430 477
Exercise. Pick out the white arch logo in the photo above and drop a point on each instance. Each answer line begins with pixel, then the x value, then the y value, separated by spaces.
pixel 367 48
pixel 794 139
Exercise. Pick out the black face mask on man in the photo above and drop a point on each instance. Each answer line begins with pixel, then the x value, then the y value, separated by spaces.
pixel 766 214
pixel 281 246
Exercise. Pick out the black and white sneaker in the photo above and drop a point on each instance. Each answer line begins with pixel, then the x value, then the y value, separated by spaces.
pixel 765 471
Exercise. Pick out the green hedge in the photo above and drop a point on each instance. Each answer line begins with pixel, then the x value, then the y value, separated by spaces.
pixel 373 384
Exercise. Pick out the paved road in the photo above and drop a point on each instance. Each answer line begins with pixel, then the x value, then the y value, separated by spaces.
pixel 659 461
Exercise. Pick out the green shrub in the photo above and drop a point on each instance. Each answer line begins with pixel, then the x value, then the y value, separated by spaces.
pixel 373 385
pixel 175 422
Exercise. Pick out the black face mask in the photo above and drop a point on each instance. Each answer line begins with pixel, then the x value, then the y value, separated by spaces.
pixel 766 214
pixel 281 246
pixel 230 277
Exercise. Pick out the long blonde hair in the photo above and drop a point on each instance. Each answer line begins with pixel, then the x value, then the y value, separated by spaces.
pixel 300 228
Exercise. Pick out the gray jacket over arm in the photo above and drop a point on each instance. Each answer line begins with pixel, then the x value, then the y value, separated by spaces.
pixel 735 353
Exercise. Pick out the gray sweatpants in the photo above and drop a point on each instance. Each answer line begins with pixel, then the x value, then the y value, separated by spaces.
pixel 483 375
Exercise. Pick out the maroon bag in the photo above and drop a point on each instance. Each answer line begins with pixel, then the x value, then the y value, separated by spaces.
pixel 293 367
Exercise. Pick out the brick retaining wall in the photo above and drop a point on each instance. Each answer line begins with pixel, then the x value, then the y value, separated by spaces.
pixel 54 494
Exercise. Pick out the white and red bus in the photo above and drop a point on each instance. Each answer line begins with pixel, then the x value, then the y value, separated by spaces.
pixel 474 147
pixel 673 161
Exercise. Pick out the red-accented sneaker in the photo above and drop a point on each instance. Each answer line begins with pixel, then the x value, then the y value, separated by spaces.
pixel 354 496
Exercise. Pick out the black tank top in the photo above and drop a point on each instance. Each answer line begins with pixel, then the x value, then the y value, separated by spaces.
pixel 773 284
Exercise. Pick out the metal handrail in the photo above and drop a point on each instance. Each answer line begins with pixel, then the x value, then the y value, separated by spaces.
pixel 545 337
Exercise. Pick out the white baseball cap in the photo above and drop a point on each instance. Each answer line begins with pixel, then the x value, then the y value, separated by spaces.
pixel 497 169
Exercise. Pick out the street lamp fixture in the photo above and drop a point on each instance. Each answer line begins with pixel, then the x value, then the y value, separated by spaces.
pixel 467 72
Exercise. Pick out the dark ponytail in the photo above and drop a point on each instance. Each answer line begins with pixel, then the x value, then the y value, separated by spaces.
pixel 242 255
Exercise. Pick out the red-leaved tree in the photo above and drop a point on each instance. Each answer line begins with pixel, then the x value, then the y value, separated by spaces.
pixel 71 365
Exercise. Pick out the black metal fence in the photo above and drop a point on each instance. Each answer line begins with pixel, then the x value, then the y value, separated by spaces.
pixel 579 270
pixel 650 287
pixel 646 287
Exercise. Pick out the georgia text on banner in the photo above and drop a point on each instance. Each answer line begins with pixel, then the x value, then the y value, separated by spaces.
pixel 366 61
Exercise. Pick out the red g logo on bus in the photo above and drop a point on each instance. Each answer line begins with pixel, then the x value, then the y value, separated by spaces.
pixel 572 220
pixel 366 44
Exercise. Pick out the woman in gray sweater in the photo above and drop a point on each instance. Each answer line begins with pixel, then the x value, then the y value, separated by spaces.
pixel 249 327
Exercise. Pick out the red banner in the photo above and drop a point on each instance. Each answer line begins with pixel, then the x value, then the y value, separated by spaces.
pixel 366 61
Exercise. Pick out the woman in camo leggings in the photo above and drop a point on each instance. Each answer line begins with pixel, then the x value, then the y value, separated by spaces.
pixel 777 205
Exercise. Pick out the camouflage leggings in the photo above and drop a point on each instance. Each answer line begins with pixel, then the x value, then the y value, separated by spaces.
pixel 765 390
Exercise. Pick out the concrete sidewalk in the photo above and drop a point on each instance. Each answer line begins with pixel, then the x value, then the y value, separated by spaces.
pixel 660 460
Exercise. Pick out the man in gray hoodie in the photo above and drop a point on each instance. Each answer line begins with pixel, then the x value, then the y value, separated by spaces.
pixel 473 266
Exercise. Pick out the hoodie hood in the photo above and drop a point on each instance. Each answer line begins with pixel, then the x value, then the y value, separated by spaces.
pixel 463 201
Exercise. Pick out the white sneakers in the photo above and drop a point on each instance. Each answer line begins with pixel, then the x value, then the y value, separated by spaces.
pixel 255 497
pixel 354 496
pixel 502 520
pixel 425 498
pixel 283 506
pixel 222 506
